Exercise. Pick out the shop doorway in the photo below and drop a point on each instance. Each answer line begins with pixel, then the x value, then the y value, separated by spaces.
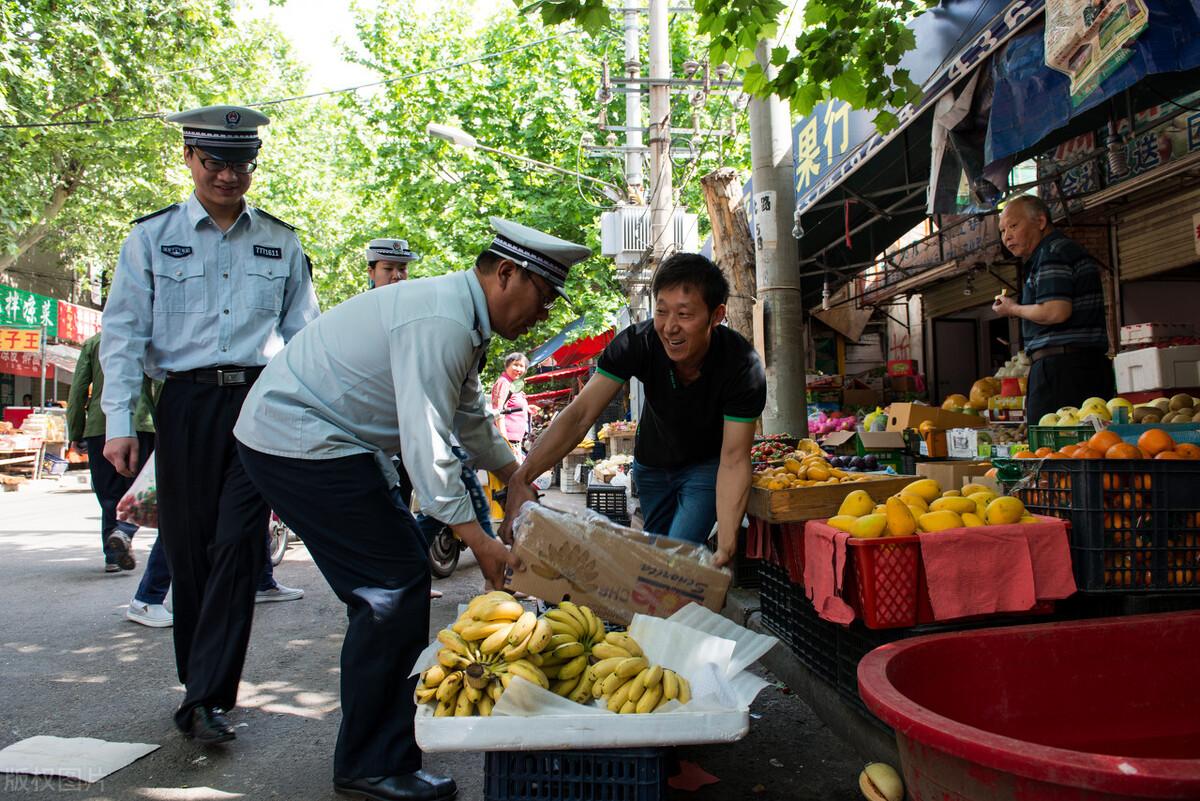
pixel 955 356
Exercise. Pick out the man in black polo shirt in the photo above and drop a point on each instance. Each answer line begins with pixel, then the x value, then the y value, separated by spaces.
pixel 1061 311
pixel 704 389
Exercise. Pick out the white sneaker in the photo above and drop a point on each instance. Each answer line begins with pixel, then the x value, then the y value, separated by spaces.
pixel 278 593
pixel 154 615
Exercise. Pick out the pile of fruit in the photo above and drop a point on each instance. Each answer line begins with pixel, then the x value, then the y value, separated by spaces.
pixel 140 508
pixel 1154 443
pixel 803 470
pixel 1179 408
pixel 856 463
pixel 566 651
pixel 922 506
pixel 616 428
pixel 586 445
pixel 771 448
pixel 822 424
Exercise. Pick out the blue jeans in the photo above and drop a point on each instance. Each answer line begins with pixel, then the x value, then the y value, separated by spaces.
pixel 679 503
pixel 483 510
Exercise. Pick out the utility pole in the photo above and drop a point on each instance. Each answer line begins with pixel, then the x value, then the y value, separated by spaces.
pixel 777 260
pixel 633 103
pixel 661 206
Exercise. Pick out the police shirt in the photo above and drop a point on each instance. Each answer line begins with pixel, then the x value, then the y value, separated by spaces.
pixel 393 370
pixel 187 295
pixel 683 424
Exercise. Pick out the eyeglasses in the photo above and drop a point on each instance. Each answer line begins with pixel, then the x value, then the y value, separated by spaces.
pixel 546 299
pixel 220 165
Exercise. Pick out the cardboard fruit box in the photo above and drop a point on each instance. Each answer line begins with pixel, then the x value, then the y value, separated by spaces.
pixel 617 571
pixel 911 415
pixel 819 502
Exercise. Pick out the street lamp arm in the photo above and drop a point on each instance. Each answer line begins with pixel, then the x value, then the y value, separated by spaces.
pixel 553 168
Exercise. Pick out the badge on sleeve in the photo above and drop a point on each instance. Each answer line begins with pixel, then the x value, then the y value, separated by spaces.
pixel 176 251
pixel 268 252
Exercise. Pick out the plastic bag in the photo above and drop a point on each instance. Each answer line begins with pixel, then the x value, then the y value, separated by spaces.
pixel 140 504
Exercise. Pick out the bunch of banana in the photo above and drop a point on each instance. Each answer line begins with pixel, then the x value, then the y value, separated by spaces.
pixel 630 684
pixel 493 640
pixel 576 633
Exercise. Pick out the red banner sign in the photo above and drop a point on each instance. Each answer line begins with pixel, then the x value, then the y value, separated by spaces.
pixel 27 364
pixel 77 323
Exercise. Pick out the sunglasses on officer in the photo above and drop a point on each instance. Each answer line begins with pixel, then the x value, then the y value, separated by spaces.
pixel 546 297
pixel 212 164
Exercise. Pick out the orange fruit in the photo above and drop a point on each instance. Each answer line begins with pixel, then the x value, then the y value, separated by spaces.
pixel 1168 455
pixel 1024 455
pixel 1103 440
pixel 1188 450
pixel 1154 441
pixel 1069 450
pixel 1088 453
pixel 1058 456
pixel 1123 450
pixel 1145 453
pixel 1042 452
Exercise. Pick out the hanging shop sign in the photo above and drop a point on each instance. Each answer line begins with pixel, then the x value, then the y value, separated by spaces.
pixel 77 323
pixel 24 364
pixel 20 340
pixel 1088 40
pixel 18 307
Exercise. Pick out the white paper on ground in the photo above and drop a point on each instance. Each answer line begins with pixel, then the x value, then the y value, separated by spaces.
pixel 83 758
pixel 703 652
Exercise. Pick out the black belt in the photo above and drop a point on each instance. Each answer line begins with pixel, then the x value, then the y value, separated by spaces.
pixel 1062 350
pixel 232 376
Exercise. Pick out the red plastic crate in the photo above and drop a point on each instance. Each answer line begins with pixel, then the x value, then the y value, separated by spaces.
pixel 791 546
pixel 887 581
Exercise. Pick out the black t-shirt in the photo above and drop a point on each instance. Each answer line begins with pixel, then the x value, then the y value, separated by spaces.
pixel 680 424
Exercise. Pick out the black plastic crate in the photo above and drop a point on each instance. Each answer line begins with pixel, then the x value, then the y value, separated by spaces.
pixel 776 598
pixel 608 501
pixel 1135 523
pixel 628 774
pixel 790 616
pixel 745 569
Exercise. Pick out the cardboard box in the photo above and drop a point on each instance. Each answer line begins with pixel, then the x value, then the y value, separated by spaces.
pixel 951 475
pixel 968 443
pixel 842 443
pixel 617 571
pixel 911 415
pixel 869 398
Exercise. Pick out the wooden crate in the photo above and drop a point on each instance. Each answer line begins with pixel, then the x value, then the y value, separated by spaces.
pixel 816 503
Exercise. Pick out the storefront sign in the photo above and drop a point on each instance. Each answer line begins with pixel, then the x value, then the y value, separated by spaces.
pixel 18 307
pixel 77 323
pixel 21 340
pixel 1087 40
pixel 26 364
pixel 831 132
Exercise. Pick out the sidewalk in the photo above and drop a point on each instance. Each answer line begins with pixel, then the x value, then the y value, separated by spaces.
pixel 71 665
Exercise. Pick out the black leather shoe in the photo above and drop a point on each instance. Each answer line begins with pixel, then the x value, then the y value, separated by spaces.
pixel 210 726
pixel 418 786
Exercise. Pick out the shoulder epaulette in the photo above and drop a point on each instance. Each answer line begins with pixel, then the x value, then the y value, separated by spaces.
pixel 154 214
pixel 288 226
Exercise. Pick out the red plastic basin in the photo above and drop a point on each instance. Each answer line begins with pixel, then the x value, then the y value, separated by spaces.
pixel 1096 710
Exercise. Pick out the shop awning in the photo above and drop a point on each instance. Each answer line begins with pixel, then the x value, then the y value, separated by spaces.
pixel 557 375
pixel 583 348
pixel 64 357
pixel 542 397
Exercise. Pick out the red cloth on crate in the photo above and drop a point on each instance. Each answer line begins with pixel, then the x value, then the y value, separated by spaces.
pixel 825 571
pixel 980 571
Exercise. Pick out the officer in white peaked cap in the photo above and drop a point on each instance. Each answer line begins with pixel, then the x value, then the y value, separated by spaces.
pixel 205 293
pixel 390 371
pixel 387 261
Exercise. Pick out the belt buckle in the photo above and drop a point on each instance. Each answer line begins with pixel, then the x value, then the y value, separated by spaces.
pixel 231 378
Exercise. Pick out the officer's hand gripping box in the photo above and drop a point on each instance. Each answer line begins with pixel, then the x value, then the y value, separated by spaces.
pixel 617 571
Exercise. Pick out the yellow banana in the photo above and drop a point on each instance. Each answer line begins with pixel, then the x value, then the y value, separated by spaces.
pixel 450 687
pixel 452 659
pixel 606 650
pixel 598 688
pixel 433 676
pixel 670 685
pixel 585 626
pixel 568 623
pixel 496 641
pixel 559 639
pixel 542 634
pixel 606 666
pixel 536 659
pixel 565 687
pixel 495 690
pixel 569 650
pixel 501 610
pixel 650 699
pixel 595 625
pixel 483 707
pixel 478 630
pixel 623 640
pixel 583 690
pixel 685 691
pixel 638 686
pixel 627 708
pixel 632 666
pixel 454 641
pixel 426 694
pixel 529 672
pixel 464 707
pixel 618 699
pixel 472 693
pixel 445 709
pixel 522 628
pixel 512 653
pixel 573 668
pixel 654 675
pixel 613 683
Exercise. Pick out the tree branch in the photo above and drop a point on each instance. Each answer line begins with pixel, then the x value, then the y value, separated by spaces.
pixel 64 187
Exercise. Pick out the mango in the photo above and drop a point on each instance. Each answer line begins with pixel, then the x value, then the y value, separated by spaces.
pixel 901 521
pixel 1004 511
pixel 952 494
pixel 917 511
pixel 842 522
pixel 940 520
pixel 959 505
pixel 881 782
pixel 1027 518
pixel 926 488
pixel 869 527
pixel 970 489
pixel 879 509
pixel 792 466
pixel 818 473
pixel 971 520
pixel 914 500
pixel 857 504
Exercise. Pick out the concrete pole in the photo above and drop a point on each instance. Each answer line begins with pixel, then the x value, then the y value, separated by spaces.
pixel 777 260
pixel 661 234
pixel 633 101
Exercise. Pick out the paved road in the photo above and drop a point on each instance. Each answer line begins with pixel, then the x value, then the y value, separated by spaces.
pixel 71 665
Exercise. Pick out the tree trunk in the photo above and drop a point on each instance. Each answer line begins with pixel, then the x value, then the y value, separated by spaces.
pixel 733 247
pixel 63 189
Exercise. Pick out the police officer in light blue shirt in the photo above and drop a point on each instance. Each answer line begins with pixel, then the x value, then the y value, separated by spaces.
pixel 205 292
pixel 393 370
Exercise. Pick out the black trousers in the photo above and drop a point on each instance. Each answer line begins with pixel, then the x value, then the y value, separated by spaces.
pixel 367 545
pixel 1067 379
pixel 211 520
pixel 109 485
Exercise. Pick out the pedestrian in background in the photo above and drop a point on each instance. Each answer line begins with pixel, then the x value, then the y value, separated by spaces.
pixel 205 292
